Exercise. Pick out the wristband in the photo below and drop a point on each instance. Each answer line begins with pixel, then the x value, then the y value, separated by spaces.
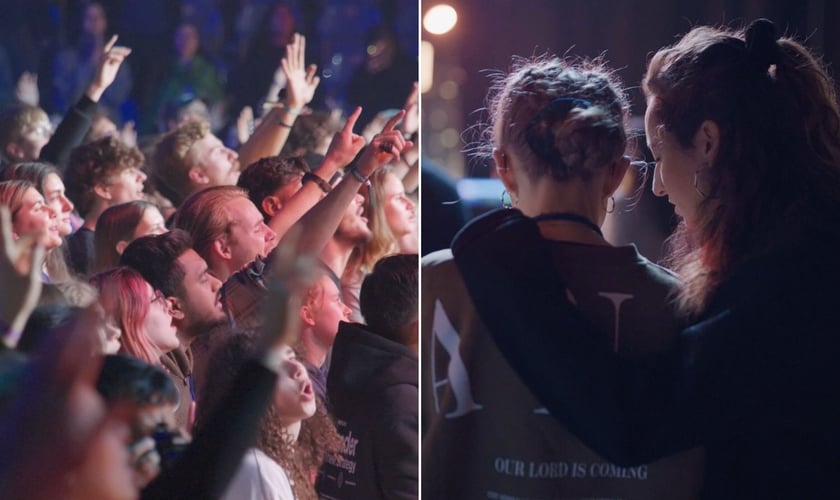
pixel 324 185
pixel 358 175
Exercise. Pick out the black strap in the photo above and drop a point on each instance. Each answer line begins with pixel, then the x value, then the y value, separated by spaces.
pixel 571 218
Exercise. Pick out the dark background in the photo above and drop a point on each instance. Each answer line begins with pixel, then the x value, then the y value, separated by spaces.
pixel 626 31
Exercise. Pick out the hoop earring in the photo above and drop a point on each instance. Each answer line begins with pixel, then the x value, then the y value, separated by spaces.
pixel 696 186
pixel 506 199
pixel 610 209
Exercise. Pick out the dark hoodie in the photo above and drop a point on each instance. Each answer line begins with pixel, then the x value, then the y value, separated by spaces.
pixel 372 385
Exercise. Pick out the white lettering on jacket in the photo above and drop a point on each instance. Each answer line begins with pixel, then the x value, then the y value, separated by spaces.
pixel 457 378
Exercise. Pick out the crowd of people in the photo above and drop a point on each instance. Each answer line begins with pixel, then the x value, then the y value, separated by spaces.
pixel 714 377
pixel 187 320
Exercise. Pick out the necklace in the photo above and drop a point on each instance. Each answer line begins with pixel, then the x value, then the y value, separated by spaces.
pixel 579 219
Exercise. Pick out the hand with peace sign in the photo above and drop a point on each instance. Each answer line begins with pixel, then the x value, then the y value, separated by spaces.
pixel 112 58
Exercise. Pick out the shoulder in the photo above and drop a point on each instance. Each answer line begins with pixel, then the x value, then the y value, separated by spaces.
pixel 259 477
pixel 438 258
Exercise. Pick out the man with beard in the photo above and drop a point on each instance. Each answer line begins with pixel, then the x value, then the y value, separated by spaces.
pixel 169 263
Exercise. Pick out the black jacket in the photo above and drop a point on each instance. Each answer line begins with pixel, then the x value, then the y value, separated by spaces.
pixel 373 393
pixel 756 381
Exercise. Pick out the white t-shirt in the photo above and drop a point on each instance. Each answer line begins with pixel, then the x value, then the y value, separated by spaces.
pixel 259 478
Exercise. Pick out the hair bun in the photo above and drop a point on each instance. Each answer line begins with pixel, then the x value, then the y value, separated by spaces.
pixel 539 131
pixel 760 39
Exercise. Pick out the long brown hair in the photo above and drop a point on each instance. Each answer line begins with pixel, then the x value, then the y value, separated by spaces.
pixel 113 225
pixel 777 171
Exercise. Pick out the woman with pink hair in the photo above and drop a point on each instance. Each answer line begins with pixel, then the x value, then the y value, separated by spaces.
pixel 141 313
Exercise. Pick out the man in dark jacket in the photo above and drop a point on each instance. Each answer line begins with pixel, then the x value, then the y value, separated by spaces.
pixel 373 389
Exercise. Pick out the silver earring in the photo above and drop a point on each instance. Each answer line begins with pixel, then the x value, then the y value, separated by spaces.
pixel 696 186
pixel 507 201
pixel 611 209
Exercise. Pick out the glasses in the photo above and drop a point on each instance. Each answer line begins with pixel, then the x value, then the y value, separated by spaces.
pixel 158 296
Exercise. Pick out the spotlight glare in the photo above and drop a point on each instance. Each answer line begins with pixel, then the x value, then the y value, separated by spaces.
pixel 440 19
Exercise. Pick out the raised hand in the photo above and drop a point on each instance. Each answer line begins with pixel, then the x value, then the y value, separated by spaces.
pixel 20 277
pixel 112 58
pixel 412 111
pixel 345 144
pixel 385 147
pixel 301 81
pixel 292 272
pixel 26 90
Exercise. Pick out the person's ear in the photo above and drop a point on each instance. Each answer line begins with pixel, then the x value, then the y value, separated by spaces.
pixel 102 191
pixel 120 246
pixel 307 315
pixel 14 151
pixel 503 169
pixel 707 139
pixel 221 248
pixel 197 176
pixel 271 205
pixel 615 175
pixel 176 309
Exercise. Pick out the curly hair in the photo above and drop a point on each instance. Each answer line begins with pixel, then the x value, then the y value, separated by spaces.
pixel 93 164
pixel 563 117
pixel 171 164
pixel 317 435
pixel 777 171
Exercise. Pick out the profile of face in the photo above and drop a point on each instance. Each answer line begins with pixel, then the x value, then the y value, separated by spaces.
pixel 399 209
pixel 107 330
pixel 186 41
pixel 151 224
pixel 32 140
pixel 57 201
pixel 353 226
pixel 294 398
pixel 248 236
pixel 94 21
pixel 200 305
pixel 214 163
pixel 125 186
pixel 105 471
pixel 676 166
pixel 157 325
pixel 326 311
pixel 35 216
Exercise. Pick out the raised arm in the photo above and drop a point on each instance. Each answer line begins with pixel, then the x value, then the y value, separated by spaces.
pixel 629 411
pixel 301 81
pixel 76 122
pixel 343 149
pixel 20 279
pixel 320 223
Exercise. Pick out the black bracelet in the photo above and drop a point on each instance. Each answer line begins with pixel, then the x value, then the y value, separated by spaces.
pixel 358 175
pixel 324 185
